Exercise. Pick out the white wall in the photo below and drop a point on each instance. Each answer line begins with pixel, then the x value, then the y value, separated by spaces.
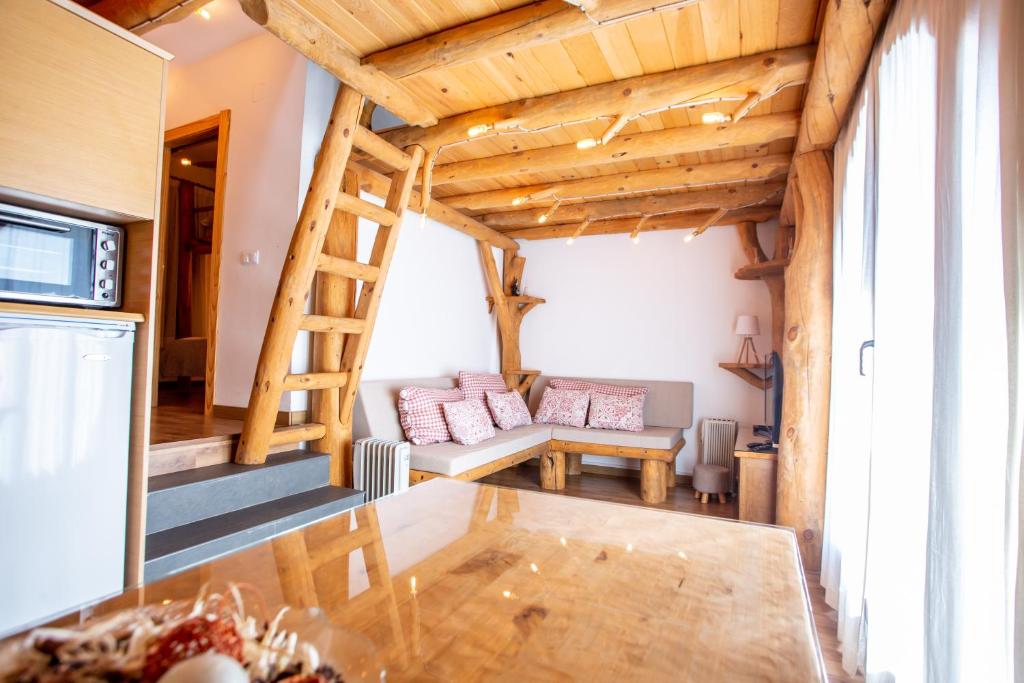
pixel 262 81
pixel 660 309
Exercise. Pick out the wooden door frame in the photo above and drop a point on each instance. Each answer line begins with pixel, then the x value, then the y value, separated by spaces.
pixel 220 124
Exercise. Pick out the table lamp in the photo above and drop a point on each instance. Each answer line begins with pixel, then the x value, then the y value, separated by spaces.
pixel 747 326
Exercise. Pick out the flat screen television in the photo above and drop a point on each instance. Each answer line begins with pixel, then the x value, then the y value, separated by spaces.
pixel 776 375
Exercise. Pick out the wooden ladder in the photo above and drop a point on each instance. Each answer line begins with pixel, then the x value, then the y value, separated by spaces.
pixel 326 225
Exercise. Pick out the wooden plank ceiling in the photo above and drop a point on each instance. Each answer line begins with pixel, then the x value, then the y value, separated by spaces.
pixel 465 58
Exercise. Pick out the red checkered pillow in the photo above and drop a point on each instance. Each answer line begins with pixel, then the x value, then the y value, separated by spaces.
pixel 475 385
pixel 468 421
pixel 508 409
pixel 419 410
pixel 562 407
pixel 595 388
pixel 616 412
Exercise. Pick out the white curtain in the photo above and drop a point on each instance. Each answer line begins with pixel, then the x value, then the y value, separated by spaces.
pixel 923 504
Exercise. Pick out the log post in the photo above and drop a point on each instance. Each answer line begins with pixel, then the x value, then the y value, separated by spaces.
pixel 653 484
pixel 807 360
pixel 552 470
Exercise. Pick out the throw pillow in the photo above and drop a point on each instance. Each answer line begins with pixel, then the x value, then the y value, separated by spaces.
pixel 508 409
pixel 475 384
pixel 562 407
pixel 419 411
pixel 596 388
pixel 616 412
pixel 468 421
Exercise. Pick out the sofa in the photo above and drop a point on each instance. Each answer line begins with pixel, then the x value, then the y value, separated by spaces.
pixel 668 412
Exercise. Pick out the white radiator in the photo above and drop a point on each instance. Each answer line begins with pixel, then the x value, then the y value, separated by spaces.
pixel 380 467
pixel 717 443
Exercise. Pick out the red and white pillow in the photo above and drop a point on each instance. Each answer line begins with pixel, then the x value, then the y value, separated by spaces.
pixel 468 421
pixel 625 413
pixel 596 388
pixel 475 385
pixel 419 411
pixel 562 407
pixel 508 409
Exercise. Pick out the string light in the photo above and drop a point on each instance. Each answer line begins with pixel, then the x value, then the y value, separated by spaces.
pixel 544 217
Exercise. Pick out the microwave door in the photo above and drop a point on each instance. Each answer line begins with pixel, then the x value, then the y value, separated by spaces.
pixel 46 262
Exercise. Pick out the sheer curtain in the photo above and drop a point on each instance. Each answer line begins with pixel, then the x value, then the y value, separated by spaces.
pixel 923 504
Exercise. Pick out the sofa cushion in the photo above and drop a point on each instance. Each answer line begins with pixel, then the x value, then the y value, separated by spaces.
pixel 597 388
pixel 376 409
pixel 508 409
pixel 563 407
pixel 662 438
pixel 624 413
pixel 468 421
pixel 451 459
pixel 475 384
pixel 668 404
pixel 419 409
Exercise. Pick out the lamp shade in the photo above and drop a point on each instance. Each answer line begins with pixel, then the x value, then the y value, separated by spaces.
pixel 747 326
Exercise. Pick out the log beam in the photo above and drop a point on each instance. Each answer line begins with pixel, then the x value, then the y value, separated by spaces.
pixel 696 175
pixel 731 79
pixel 753 130
pixel 377 184
pixel 679 221
pixel 517 29
pixel 140 16
pixel 732 197
pixel 288 20
pixel 807 361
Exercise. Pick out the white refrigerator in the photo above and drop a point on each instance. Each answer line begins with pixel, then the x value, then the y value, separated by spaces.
pixel 65 391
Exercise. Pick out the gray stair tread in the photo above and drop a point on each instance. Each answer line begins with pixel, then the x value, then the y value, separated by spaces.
pixel 184 546
pixel 228 469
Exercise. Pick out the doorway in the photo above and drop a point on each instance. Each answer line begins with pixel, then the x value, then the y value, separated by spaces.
pixel 192 213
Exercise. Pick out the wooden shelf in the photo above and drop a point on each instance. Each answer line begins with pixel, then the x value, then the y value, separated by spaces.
pixel 757 271
pixel 69 312
pixel 745 371
pixel 520 300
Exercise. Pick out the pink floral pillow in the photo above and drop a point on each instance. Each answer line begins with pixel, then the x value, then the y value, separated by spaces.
pixel 475 384
pixel 508 409
pixel 562 407
pixel 419 411
pixel 595 388
pixel 468 421
pixel 616 412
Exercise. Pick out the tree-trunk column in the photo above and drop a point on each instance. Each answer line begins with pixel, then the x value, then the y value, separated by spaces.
pixel 807 361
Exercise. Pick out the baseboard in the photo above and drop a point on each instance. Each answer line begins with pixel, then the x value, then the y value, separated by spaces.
pixel 285 418
pixel 628 472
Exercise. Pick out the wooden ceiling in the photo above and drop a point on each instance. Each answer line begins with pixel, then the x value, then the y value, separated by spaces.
pixel 541 76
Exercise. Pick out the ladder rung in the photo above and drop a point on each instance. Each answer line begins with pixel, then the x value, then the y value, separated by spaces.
pixel 297 433
pixel 365 209
pixel 326 323
pixel 379 148
pixel 315 380
pixel 346 268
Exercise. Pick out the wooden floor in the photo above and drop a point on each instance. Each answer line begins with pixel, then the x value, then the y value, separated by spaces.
pixel 619 489
pixel 180 418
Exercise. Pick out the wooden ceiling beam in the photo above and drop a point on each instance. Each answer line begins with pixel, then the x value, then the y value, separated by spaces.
pixel 731 197
pixel 725 172
pixel 679 221
pixel 288 20
pixel 140 16
pixel 733 79
pixel 517 29
pixel 378 184
pixel 753 130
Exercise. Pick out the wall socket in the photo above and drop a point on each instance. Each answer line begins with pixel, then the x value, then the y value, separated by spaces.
pixel 250 258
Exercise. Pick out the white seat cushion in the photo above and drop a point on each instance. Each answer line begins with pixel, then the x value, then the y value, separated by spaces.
pixel 651 437
pixel 451 459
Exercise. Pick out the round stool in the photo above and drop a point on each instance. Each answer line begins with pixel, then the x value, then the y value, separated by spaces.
pixel 710 479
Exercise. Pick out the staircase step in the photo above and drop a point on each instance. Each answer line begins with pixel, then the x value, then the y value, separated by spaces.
pixel 364 209
pixel 191 495
pixel 326 323
pixel 185 546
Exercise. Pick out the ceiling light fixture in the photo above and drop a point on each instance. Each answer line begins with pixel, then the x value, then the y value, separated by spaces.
pixel 586 143
pixel 478 130
pixel 713 117
pixel 185 161
pixel 714 218
pixel 544 217
pixel 579 231
pixel 204 13
pixel 519 200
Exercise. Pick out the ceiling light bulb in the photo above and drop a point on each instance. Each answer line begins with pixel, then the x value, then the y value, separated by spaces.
pixel 478 130
pixel 689 238
pixel 204 13
pixel 543 218
pixel 586 143
pixel 569 242
pixel 518 200
pixel 185 161
pixel 713 117
pixel 636 239
pixel 423 221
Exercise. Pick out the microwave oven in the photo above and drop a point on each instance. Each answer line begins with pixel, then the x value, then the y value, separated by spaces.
pixel 54 259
